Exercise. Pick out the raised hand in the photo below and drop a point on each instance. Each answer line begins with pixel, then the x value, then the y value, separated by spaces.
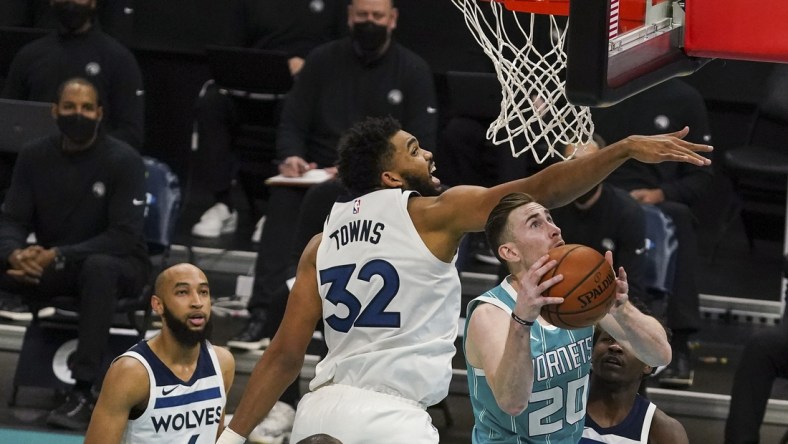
pixel 667 147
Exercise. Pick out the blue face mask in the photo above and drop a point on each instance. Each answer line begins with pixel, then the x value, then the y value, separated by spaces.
pixel 77 128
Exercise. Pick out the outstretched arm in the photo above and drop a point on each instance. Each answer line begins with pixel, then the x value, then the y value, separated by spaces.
pixel 125 386
pixel 465 208
pixel 283 359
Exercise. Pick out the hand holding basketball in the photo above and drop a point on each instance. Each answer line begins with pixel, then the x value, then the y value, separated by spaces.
pixel 532 286
pixel 588 287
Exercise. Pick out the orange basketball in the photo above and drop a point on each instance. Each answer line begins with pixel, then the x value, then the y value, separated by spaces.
pixel 588 288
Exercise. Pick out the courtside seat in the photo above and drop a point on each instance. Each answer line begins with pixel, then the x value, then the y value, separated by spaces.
pixel 759 169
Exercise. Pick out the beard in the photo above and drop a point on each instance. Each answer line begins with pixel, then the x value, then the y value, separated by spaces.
pixel 423 186
pixel 181 331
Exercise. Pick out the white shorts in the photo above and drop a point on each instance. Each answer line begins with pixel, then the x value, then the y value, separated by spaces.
pixel 355 415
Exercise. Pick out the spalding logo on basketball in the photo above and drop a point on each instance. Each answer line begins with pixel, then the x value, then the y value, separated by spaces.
pixel 588 288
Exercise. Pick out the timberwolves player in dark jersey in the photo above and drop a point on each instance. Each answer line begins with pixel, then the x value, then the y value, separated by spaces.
pixel 616 413
pixel 171 388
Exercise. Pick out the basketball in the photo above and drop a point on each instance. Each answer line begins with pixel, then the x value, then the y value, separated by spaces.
pixel 588 288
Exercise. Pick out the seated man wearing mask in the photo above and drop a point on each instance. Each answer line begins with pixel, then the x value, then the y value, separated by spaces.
pixel 82 193
pixel 79 49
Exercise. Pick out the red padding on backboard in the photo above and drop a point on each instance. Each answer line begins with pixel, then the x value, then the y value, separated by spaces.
pixel 737 29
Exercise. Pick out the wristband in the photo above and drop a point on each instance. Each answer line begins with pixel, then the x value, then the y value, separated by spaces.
pixel 522 321
pixel 229 436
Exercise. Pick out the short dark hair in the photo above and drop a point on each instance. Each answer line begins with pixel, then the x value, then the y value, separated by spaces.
pixel 78 81
pixel 365 151
pixel 320 438
pixel 495 228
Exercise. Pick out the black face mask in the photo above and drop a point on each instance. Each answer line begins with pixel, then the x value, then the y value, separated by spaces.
pixel 72 16
pixel 77 128
pixel 369 37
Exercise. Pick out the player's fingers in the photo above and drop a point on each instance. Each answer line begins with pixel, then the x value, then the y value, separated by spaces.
pixel 547 283
pixel 682 133
pixel 543 265
pixel 551 300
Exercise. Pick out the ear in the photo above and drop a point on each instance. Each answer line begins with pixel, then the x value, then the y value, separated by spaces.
pixel 394 17
pixel 155 303
pixel 391 180
pixel 647 369
pixel 54 111
pixel 508 253
pixel 100 113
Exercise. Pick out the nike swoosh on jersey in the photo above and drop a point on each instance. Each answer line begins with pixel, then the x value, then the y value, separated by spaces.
pixel 165 392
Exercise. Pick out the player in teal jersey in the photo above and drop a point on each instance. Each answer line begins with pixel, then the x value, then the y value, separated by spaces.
pixel 529 379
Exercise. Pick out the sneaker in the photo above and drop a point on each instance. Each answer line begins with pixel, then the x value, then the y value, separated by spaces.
pixel 276 427
pixel 14 309
pixel 258 230
pixel 216 221
pixel 73 414
pixel 679 373
pixel 253 336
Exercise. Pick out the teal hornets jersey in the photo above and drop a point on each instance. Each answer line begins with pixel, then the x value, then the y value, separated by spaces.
pixel 557 407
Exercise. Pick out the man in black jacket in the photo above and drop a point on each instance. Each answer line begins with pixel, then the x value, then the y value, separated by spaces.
pixel 79 49
pixel 342 82
pixel 83 195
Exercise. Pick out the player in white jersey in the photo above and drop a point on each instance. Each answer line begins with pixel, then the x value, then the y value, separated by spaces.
pixel 617 413
pixel 389 339
pixel 173 387
pixel 528 379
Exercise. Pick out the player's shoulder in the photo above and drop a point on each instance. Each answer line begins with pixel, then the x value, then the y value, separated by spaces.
pixel 225 357
pixel 128 370
pixel 37 48
pixel 667 429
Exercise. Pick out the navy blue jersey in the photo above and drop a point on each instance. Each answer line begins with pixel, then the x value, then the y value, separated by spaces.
pixel 633 429
pixel 179 411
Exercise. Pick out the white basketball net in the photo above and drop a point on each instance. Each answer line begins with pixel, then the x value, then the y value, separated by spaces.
pixel 534 98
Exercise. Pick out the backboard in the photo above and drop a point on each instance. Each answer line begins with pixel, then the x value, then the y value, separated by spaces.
pixel 617 48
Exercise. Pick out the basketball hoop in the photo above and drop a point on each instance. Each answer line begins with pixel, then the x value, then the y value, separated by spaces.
pixel 534 103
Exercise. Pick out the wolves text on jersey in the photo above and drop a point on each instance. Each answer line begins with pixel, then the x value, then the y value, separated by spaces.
pixel 357 230
pixel 189 419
